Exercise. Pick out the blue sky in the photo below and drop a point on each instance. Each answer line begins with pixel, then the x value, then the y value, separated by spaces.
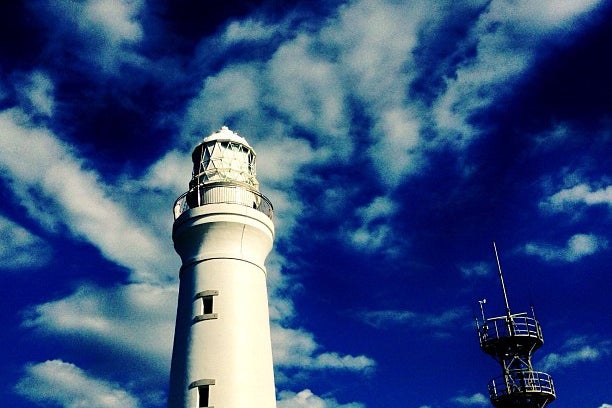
pixel 396 140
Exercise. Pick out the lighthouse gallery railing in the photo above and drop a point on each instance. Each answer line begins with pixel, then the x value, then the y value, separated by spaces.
pixel 222 193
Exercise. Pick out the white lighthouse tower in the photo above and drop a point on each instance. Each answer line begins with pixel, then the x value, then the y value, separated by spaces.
pixel 223 231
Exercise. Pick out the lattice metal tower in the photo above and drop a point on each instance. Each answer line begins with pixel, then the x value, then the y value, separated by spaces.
pixel 511 340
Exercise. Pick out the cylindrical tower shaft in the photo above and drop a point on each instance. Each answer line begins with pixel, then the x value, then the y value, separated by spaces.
pixel 222 353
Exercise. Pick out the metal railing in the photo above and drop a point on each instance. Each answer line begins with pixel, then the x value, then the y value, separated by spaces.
pixel 517 325
pixel 522 381
pixel 222 193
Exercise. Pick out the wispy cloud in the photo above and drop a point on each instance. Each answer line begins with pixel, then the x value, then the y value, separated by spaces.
pixel 75 197
pixel 585 353
pixel 126 320
pixel 389 318
pixel 249 30
pixel 36 94
pixel 570 199
pixel 301 98
pixel 477 399
pixel 475 269
pixel 103 31
pixel 321 100
pixel 116 19
pixel 576 350
pixel 295 348
pixel 374 232
pixel 19 248
pixel 303 88
pixel 57 382
pixel 306 399
pixel 506 38
pixel 577 247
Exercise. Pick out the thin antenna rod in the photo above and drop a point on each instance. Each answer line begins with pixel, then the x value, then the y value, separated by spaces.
pixel 501 278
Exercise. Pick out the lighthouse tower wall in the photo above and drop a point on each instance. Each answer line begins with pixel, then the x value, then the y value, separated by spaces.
pixel 227 346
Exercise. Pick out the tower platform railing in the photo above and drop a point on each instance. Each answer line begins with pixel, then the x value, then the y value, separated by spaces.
pixel 522 382
pixel 222 193
pixel 518 325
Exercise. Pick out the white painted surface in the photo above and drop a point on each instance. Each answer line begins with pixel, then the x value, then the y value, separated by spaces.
pixel 223 248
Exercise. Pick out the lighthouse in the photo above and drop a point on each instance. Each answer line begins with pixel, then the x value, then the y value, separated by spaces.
pixel 223 232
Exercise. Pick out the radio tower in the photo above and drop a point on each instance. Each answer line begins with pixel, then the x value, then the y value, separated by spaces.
pixel 510 340
pixel 223 231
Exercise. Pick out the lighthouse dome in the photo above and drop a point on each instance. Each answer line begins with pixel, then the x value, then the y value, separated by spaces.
pixel 227 135
pixel 224 156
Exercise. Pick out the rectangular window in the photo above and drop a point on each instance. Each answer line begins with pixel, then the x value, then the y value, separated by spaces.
pixel 208 304
pixel 204 305
pixel 203 394
pixel 201 388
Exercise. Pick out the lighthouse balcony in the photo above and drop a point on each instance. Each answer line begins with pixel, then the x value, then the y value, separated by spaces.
pixel 222 193
pixel 517 333
pixel 522 388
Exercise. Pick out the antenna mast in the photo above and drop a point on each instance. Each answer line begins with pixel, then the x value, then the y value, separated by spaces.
pixel 501 278
pixel 511 340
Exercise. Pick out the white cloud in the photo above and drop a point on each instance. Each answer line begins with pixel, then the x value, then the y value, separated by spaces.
pixel 578 246
pixel 56 188
pixel 297 348
pixel 474 269
pixel 171 172
pixel 552 138
pixel 605 406
pixel 553 360
pixel 304 87
pixel 279 164
pixel 115 18
pixel 552 14
pixel 280 160
pixel 386 318
pixel 249 30
pixel 230 97
pixel 575 350
pixel 366 49
pixel 398 150
pixel 280 288
pixel 506 38
pixel 64 384
pixel 126 320
pixel 374 42
pixel 475 399
pixel 371 238
pixel 380 207
pixel 306 399
pixel 308 89
pixel 568 199
pixel 374 232
pixel 37 92
pixel 479 81
pixel 20 249
pixel 103 30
